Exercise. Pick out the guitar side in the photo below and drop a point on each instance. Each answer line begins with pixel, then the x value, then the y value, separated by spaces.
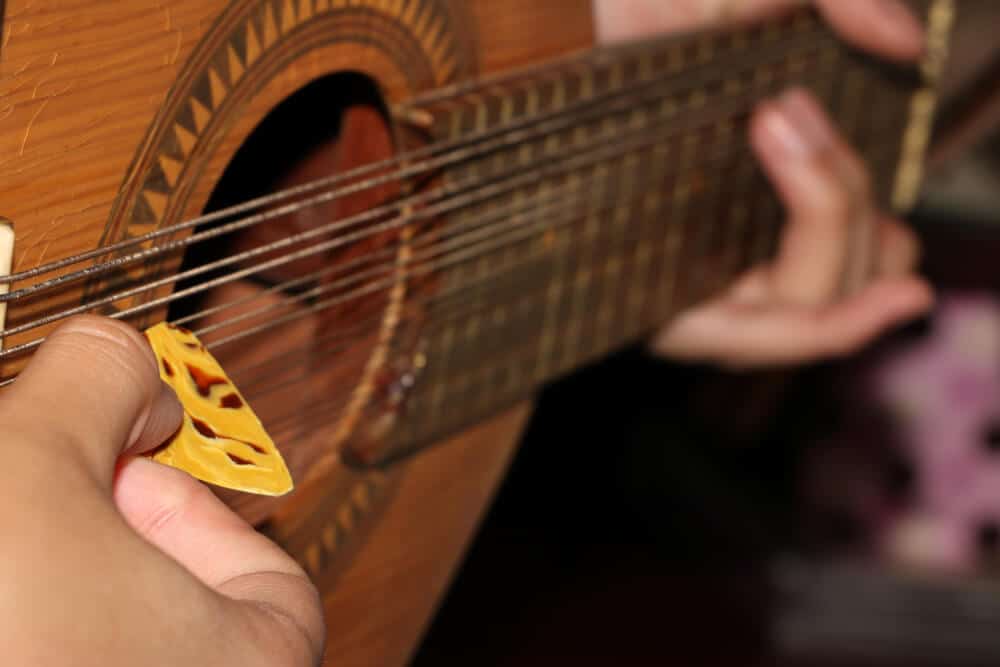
pixel 88 97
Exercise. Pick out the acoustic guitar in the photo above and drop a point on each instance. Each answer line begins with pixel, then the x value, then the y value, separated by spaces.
pixel 392 221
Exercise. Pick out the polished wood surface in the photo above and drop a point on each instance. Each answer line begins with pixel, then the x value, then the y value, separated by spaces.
pixel 118 119
pixel 382 604
pixel 91 92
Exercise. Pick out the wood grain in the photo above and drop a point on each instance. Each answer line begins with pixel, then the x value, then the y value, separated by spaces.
pixel 85 86
pixel 382 604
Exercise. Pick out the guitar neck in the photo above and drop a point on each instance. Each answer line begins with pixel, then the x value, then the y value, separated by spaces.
pixel 625 192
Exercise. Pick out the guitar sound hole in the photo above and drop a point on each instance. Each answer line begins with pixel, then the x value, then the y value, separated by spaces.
pixel 298 338
pixel 298 141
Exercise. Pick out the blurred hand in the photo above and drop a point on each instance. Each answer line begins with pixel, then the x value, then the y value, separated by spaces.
pixel 844 270
pixel 111 559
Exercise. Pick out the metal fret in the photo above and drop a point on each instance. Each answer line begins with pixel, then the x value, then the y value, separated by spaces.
pixel 621 262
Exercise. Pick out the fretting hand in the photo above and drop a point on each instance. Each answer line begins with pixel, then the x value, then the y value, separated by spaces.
pixel 844 272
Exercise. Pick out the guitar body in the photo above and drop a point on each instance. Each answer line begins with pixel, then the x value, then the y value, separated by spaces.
pixel 387 243
pixel 120 118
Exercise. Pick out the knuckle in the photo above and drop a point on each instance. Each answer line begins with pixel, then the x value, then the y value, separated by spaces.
pixel 100 328
pixel 115 341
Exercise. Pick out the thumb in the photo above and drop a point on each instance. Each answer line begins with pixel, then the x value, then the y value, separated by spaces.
pixel 94 387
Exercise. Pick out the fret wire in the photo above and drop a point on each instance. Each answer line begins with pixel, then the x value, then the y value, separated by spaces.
pixel 768 239
pixel 607 128
pixel 608 290
pixel 460 386
pixel 589 313
pixel 459 389
pixel 51 266
pixel 8 382
pixel 637 278
pixel 480 356
pixel 594 58
pixel 494 278
pixel 554 286
pixel 586 257
pixel 679 289
pixel 557 275
pixel 438 387
pixel 483 192
pixel 734 227
pixel 616 306
pixel 550 224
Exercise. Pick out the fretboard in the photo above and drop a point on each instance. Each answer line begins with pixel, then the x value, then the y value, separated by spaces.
pixel 627 193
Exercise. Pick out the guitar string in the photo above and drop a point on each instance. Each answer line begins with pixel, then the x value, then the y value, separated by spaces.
pixel 161 282
pixel 543 219
pixel 757 251
pixel 616 151
pixel 455 237
pixel 293 282
pixel 205 332
pixel 454 151
pixel 493 275
pixel 316 415
pixel 463 302
pixel 322 408
pixel 337 401
pixel 437 320
pixel 10 352
pixel 540 222
pixel 235 338
pixel 459 199
pixel 452 236
pixel 325 303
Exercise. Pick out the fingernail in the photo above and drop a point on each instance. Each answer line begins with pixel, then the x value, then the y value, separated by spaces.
pixel 806 115
pixel 901 21
pixel 795 138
